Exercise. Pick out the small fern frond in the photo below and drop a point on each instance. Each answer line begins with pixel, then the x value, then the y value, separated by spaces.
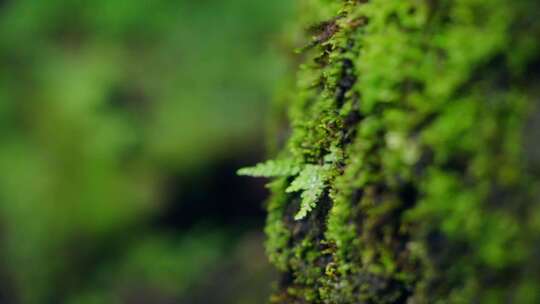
pixel 271 168
pixel 311 181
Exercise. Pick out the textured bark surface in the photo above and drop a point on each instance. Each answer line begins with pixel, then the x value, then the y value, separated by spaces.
pixel 412 156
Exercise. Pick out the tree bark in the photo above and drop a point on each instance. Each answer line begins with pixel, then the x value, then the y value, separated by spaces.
pixel 422 119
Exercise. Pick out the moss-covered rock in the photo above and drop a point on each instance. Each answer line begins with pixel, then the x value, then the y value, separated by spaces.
pixel 411 174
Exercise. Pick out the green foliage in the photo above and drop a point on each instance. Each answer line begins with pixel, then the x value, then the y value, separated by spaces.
pixel 272 168
pixel 312 182
pixel 105 104
pixel 412 116
pixel 162 264
pixel 310 179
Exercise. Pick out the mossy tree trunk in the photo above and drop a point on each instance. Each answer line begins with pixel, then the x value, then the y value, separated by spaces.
pixel 412 171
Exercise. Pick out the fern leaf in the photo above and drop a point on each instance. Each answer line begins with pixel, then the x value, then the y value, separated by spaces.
pixel 271 168
pixel 311 181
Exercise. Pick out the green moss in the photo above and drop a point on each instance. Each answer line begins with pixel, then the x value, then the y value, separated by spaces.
pixel 415 111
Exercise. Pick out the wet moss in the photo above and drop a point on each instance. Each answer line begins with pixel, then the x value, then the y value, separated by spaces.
pixel 417 109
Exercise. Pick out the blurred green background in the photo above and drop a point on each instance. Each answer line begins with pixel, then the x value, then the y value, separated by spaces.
pixel 122 124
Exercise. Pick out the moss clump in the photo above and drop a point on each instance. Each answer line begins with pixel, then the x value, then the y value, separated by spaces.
pixel 416 112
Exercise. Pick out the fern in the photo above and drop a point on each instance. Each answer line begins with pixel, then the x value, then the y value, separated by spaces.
pixel 272 168
pixel 311 181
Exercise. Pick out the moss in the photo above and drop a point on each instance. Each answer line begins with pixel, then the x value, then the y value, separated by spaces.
pixel 417 112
